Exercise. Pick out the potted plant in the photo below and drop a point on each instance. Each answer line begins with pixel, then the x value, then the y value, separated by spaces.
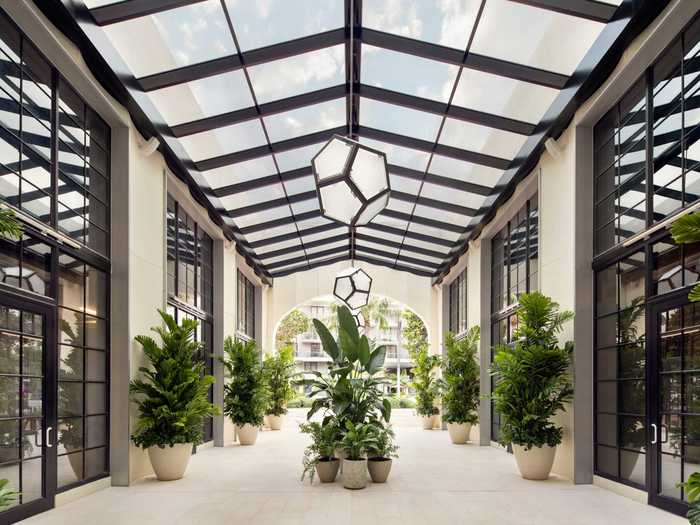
pixel 244 394
pixel 460 399
pixel 279 370
pixel 7 495
pixel 426 385
pixel 319 455
pixel 381 452
pixel 355 443
pixel 533 384
pixel 172 398
pixel 691 490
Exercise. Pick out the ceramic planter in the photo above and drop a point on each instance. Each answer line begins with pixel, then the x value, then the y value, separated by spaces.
pixel 354 473
pixel 428 422
pixel 459 432
pixel 536 463
pixel 247 434
pixel 274 422
pixel 327 469
pixel 379 469
pixel 170 463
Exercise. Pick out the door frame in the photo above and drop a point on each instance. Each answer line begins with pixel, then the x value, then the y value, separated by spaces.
pixel 655 306
pixel 45 307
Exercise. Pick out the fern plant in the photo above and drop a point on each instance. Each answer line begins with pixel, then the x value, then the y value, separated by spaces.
pixel 324 438
pixel 244 395
pixel 692 493
pixel 172 397
pixel 533 381
pixel 279 371
pixel 686 230
pixel 460 399
pixel 7 494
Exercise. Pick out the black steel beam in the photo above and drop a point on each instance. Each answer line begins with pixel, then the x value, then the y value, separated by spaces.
pixel 448 55
pixel 280 222
pixel 268 180
pixel 440 180
pixel 251 113
pixel 130 9
pixel 250 58
pixel 441 108
pixel 353 55
pixel 310 266
pixel 307 245
pixel 275 147
pixel 404 258
pixel 433 203
pixel 588 9
pixel 433 223
pixel 410 234
pixel 288 236
pixel 271 204
pixel 440 149
pixel 394 244
pixel 393 266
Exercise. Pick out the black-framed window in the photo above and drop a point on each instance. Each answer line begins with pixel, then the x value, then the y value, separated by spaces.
pixel 514 270
pixel 646 168
pixel 646 150
pixel 245 306
pixel 54 149
pixel 458 303
pixel 190 270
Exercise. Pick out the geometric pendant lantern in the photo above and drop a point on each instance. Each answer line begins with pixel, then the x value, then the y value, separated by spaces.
pixel 352 286
pixel 352 181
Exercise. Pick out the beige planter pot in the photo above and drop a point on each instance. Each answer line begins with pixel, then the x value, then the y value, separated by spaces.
pixel 536 463
pixel 428 422
pixel 327 470
pixel 379 469
pixel 275 422
pixel 170 463
pixel 266 422
pixel 247 434
pixel 354 474
pixel 459 432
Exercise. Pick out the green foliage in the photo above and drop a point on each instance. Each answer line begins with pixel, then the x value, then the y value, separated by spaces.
pixel 7 495
pixel 425 383
pixel 300 402
pixel 294 323
pixel 352 390
pixel 324 438
pixel 278 371
pixel 376 312
pixel 402 402
pixel 173 396
pixel 533 381
pixel 692 493
pixel 383 446
pixel 9 225
pixel 358 439
pixel 414 332
pixel 244 395
pixel 686 230
pixel 460 399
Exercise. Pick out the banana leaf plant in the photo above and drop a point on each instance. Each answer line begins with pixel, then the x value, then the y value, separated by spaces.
pixel 353 388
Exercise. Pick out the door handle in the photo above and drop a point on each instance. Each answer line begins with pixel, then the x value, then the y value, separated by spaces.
pixel 47 437
pixel 654 439
pixel 664 435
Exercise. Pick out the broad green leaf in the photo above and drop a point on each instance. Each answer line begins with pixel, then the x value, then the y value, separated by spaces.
pixel 387 409
pixel 376 360
pixel 327 341
pixel 346 323
pixel 363 351
pixel 348 345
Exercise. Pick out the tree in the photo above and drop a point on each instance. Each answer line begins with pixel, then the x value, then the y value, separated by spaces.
pixel 376 313
pixel 296 322
pixel 414 333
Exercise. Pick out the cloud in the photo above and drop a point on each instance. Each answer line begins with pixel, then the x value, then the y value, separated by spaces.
pixel 394 16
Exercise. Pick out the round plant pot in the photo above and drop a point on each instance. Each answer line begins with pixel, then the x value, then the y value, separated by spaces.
pixel 327 469
pixel 354 473
pixel 428 422
pixel 247 434
pixel 379 469
pixel 266 422
pixel 536 463
pixel 340 454
pixel 170 463
pixel 459 432
pixel 275 422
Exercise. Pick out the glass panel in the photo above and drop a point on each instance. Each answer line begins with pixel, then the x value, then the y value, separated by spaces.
pixel 606 460
pixel 399 120
pixel 407 73
pixel 203 98
pixel 298 74
pixel 32 397
pixel 317 117
pixel 259 25
pixel 406 157
pixel 9 440
pixel 243 171
pixel 481 139
pixel 535 37
pixel 70 398
pixel 297 158
pixel 229 139
pixel 96 462
pixel 32 480
pixel 69 469
pixel 183 36
pixel 464 171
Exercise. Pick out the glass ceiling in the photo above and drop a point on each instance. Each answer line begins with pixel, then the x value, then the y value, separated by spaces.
pixel 450 91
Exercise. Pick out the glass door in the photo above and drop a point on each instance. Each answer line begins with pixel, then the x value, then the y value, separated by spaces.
pixel 674 400
pixel 27 405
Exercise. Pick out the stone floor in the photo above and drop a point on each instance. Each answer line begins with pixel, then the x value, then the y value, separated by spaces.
pixel 433 482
